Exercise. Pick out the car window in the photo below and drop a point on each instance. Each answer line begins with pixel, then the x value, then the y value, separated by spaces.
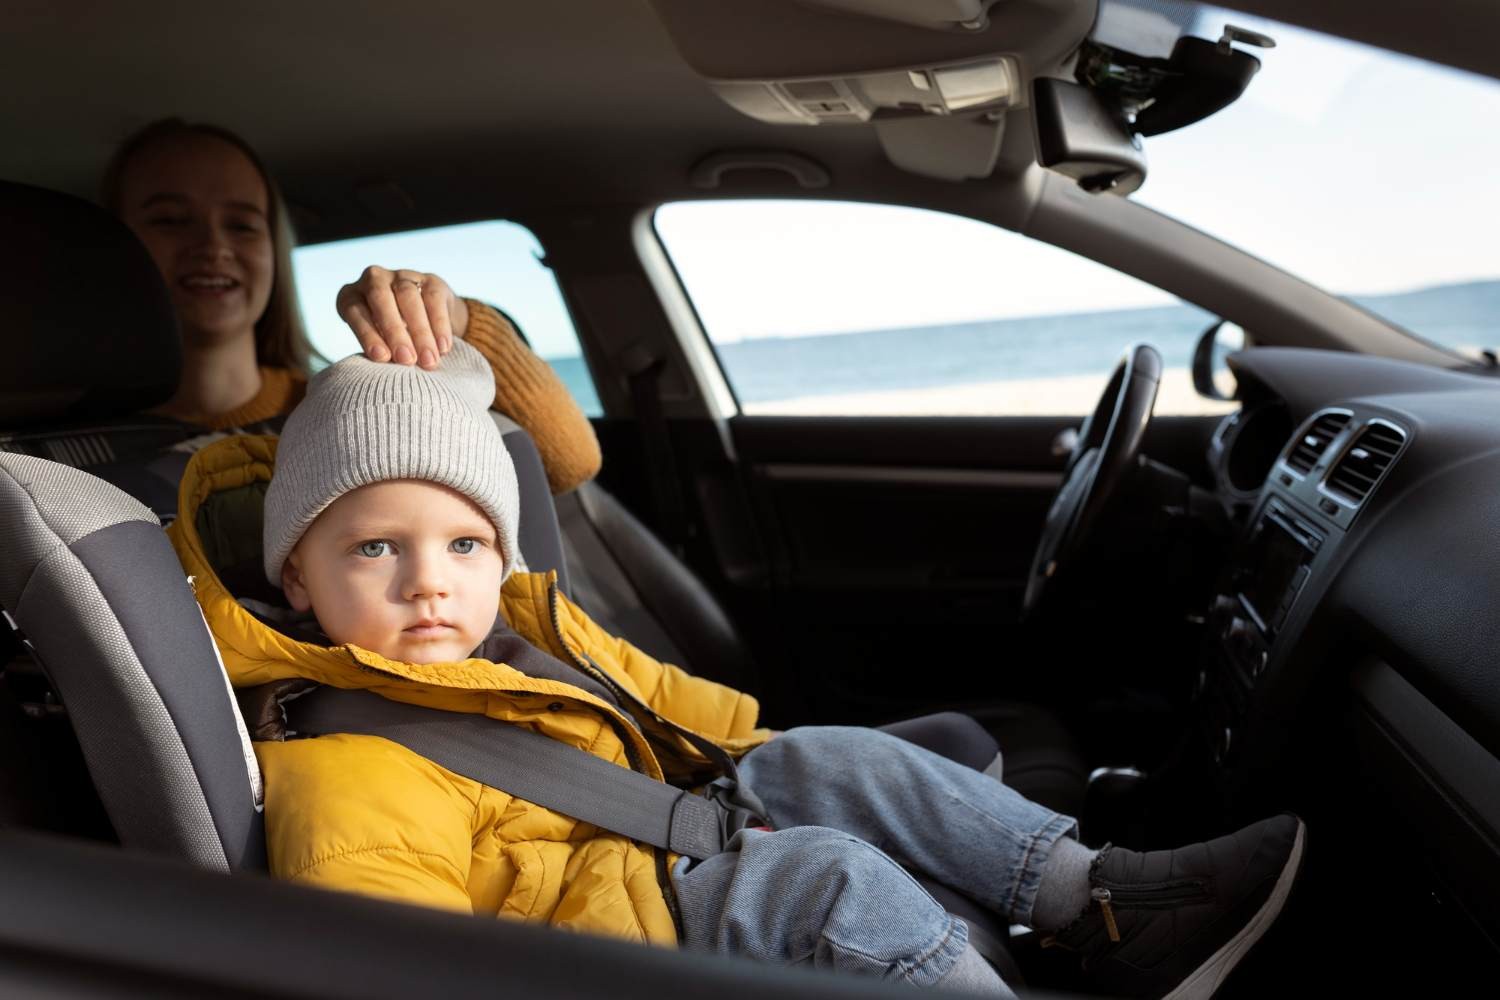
pixel 838 308
pixel 497 262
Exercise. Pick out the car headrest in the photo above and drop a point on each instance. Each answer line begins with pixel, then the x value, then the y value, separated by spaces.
pixel 89 326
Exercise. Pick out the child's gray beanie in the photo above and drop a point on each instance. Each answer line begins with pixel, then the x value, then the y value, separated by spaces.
pixel 368 422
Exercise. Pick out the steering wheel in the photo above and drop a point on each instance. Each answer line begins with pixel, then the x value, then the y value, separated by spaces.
pixel 1109 443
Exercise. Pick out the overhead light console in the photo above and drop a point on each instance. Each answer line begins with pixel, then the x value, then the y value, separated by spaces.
pixel 979 85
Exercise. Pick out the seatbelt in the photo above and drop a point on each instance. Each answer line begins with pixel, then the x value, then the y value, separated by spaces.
pixel 530 766
pixel 661 463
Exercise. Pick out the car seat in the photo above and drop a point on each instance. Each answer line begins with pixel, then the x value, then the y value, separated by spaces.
pixel 90 583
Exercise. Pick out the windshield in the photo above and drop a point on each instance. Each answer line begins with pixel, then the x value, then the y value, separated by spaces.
pixel 1371 174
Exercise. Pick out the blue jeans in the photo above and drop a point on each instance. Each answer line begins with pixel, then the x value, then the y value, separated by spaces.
pixel 823 889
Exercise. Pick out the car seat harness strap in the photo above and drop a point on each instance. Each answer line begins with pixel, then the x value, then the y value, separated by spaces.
pixel 541 770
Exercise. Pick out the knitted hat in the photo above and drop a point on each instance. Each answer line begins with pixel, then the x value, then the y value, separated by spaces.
pixel 368 422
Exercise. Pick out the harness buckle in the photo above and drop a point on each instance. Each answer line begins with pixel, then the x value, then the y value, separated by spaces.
pixel 739 808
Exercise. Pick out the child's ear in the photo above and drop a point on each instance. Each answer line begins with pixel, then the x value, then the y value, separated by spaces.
pixel 293 583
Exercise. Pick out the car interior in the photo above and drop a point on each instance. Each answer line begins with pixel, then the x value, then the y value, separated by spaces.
pixel 1172 623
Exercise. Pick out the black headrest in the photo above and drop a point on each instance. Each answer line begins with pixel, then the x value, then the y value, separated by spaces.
pixel 89 327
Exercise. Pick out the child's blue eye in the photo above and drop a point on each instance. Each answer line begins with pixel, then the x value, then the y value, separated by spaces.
pixel 463 546
pixel 373 550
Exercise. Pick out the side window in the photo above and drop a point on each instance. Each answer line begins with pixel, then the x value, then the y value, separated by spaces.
pixel 495 262
pixel 848 309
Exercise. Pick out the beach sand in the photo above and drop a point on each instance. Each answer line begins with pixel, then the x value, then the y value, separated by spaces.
pixel 1067 395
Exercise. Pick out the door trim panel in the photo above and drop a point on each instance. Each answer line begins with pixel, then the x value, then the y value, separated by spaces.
pixel 913 476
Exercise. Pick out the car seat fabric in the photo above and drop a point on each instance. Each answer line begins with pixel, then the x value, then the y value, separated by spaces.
pixel 539 537
pixel 91 581
pixel 632 582
pixel 73 355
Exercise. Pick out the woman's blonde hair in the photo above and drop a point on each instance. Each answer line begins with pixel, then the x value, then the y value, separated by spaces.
pixel 280 337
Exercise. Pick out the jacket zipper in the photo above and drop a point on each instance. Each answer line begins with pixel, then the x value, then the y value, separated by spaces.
pixel 587 668
pixel 632 753
pixel 592 669
pixel 663 871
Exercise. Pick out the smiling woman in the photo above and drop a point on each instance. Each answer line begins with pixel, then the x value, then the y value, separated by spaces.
pixel 213 220
pixel 216 226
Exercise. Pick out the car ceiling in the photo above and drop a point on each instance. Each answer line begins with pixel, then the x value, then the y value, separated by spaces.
pixel 378 116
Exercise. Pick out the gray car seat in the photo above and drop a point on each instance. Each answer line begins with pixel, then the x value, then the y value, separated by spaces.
pixel 92 586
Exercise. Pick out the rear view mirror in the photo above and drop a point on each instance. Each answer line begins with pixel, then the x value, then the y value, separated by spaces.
pixel 1083 136
pixel 1211 375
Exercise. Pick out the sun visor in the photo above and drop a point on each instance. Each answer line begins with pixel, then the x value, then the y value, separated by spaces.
pixel 942 15
pixel 89 328
pixel 950 149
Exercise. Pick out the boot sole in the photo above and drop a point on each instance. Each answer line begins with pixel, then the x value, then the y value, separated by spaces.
pixel 1203 981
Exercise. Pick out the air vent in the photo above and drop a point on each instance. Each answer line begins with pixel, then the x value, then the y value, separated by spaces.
pixel 1361 466
pixel 1315 440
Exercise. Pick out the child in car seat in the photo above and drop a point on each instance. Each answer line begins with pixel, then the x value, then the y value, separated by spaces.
pixel 391 519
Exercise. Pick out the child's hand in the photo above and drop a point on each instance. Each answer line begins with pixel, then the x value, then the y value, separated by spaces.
pixel 405 316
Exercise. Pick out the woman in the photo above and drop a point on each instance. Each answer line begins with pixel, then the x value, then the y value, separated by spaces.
pixel 213 220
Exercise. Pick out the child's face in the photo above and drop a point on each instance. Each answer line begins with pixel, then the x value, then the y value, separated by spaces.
pixel 406 569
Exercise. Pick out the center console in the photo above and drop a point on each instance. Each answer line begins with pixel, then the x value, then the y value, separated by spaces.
pixel 1272 568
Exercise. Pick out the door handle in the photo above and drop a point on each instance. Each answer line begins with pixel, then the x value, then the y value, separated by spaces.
pixel 1065 442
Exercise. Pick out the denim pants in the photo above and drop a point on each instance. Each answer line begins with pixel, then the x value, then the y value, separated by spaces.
pixel 822 888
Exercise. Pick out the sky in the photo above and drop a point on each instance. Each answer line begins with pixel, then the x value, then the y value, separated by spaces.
pixel 1363 171
pixel 498 262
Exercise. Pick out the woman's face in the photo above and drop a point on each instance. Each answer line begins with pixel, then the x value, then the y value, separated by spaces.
pixel 202 210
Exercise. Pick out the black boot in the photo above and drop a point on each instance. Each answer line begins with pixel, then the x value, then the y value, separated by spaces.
pixel 1174 923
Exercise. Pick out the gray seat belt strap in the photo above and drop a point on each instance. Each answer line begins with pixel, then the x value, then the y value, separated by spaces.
pixel 530 766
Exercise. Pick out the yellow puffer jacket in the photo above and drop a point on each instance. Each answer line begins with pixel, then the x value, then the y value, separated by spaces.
pixel 367 815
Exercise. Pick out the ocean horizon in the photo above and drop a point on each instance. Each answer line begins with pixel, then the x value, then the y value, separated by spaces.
pixel 1462 316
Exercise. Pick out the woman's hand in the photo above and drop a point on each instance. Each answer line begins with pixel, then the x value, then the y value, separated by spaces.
pixel 409 317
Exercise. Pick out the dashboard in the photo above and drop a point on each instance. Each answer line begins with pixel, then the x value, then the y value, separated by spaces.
pixel 1358 620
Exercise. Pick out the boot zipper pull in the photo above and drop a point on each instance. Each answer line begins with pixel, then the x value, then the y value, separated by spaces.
pixel 1103 897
